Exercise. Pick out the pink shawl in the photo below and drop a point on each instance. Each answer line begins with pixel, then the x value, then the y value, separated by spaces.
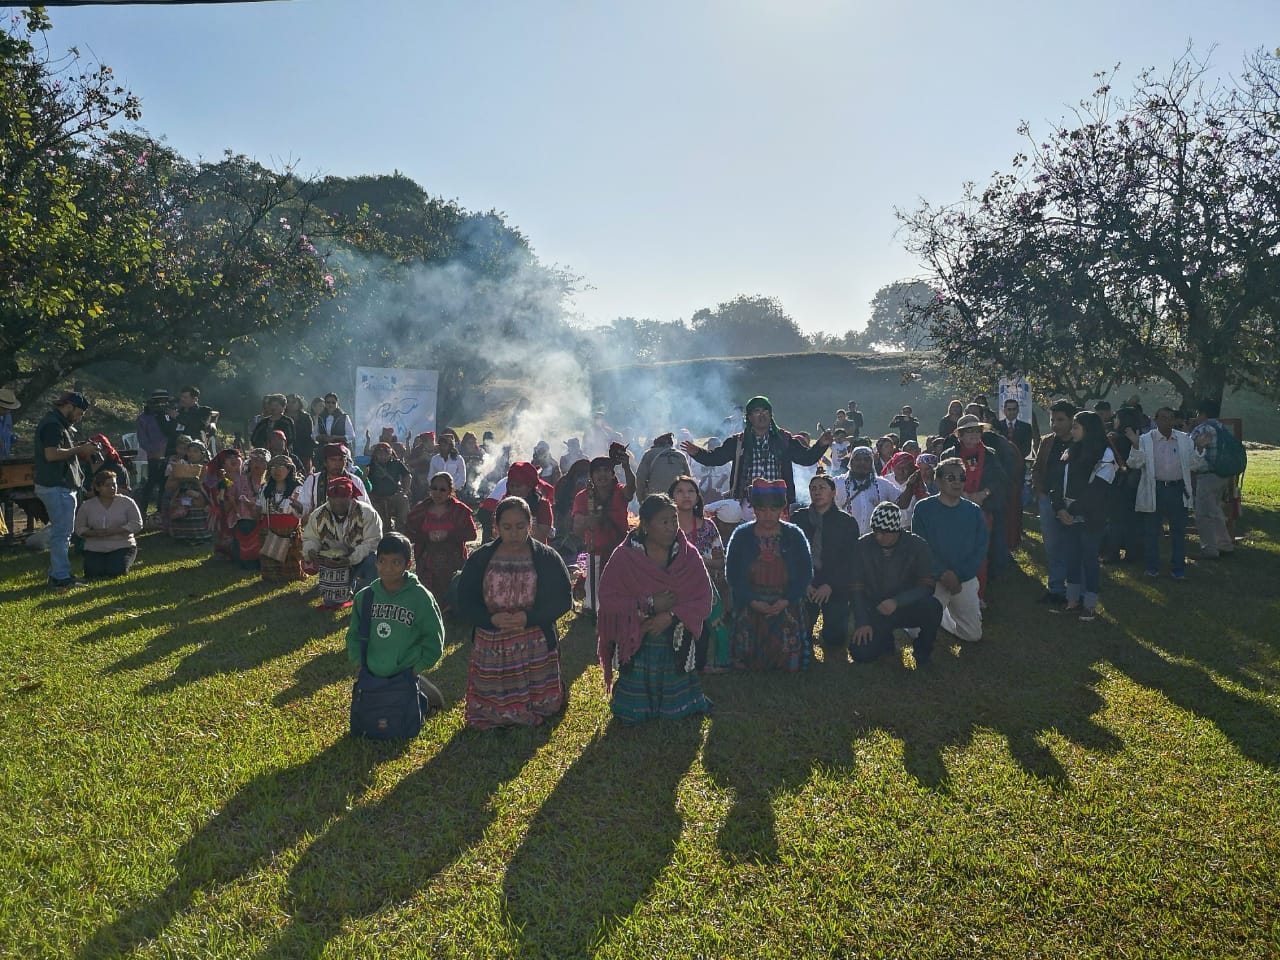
pixel 628 579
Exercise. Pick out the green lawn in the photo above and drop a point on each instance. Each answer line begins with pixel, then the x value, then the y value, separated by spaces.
pixel 177 782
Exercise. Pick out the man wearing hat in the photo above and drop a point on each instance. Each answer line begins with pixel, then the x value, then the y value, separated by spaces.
pixel 346 526
pixel 153 443
pixel 893 587
pixel 58 475
pixel 761 450
pixel 8 404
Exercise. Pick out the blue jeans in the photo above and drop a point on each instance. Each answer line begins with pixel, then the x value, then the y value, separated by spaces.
pixel 1169 506
pixel 1052 533
pixel 61 504
pixel 1084 576
pixel 364 573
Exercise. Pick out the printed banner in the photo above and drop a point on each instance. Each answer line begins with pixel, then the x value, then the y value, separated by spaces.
pixel 391 397
pixel 1015 388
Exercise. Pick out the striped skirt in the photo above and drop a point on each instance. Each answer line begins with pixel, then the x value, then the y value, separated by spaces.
pixel 189 518
pixel 651 686
pixel 513 679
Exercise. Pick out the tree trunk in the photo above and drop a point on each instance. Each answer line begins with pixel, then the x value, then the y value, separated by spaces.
pixel 1210 381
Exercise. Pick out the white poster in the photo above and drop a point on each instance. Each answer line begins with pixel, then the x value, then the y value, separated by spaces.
pixel 1015 388
pixel 391 397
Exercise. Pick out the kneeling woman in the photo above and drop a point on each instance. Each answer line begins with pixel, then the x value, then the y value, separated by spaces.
pixel 513 590
pixel 655 595
pixel 280 556
pixel 108 522
pixel 769 569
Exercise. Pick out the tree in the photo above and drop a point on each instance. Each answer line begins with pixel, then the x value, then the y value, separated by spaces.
pixel 895 323
pixel 118 249
pixel 747 325
pixel 1141 242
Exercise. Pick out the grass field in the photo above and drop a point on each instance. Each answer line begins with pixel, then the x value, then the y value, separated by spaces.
pixel 177 783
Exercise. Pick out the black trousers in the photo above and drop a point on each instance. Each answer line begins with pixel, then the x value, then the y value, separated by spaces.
pixel 925 614
pixel 113 563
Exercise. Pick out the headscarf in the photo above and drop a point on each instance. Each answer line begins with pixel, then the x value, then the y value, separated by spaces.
pixel 341 487
pixel 760 401
pixel 886 518
pixel 291 482
pixel 524 473
pixel 108 451
pixel 280 434
pixel 901 456
pixel 927 460
pixel 260 453
pixel 768 493
pixel 333 450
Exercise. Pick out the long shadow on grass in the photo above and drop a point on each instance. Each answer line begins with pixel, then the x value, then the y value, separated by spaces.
pixel 242 640
pixel 386 852
pixel 770 732
pixel 1220 622
pixel 601 840
pixel 268 815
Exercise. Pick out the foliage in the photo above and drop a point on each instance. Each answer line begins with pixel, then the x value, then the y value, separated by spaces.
pixel 1140 243
pixel 119 249
pixel 747 325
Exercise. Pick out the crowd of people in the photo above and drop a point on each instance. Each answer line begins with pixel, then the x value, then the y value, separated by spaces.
pixel 738 553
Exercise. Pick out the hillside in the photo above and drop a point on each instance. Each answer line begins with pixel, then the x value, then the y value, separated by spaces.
pixel 807 387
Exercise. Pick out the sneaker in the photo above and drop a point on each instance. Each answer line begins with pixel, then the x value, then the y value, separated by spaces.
pixel 1151 573
pixel 1054 599
pixel 1087 615
pixel 1179 576
pixel 66 584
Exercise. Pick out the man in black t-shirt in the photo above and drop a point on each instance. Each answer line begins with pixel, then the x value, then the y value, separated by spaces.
pixel 274 419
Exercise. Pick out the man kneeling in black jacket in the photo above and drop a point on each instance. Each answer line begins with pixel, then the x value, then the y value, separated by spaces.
pixel 893 586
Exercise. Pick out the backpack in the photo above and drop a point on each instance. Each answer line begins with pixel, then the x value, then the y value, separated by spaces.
pixel 1229 457
pixel 382 708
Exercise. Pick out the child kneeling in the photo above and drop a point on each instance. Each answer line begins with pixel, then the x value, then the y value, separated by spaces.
pixel 395 633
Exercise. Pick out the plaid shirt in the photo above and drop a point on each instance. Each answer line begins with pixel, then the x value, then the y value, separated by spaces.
pixel 760 459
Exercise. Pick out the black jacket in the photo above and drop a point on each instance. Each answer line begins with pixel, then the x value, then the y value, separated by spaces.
pixel 552 600
pixel 905 575
pixel 792 452
pixel 1000 459
pixel 839 538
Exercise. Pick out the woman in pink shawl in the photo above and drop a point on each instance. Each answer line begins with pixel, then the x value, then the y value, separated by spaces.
pixel 654 598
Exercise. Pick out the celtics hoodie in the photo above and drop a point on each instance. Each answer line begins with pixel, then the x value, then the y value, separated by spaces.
pixel 406 629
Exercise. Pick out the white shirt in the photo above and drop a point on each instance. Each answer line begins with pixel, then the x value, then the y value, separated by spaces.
pixel 860 505
pixel 456 468
pixel 309 498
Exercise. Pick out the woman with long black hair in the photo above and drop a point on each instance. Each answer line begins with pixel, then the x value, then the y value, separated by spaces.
pixel 1080 506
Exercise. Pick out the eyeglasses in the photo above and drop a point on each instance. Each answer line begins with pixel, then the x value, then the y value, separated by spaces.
pixel 957 477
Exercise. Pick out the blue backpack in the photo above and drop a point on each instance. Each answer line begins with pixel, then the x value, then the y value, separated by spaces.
pixel 383 708
pixel 1229 456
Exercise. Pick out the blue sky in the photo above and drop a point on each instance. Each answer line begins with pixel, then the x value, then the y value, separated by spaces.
pixel 673 154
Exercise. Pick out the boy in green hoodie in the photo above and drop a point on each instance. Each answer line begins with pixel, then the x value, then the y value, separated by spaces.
pixel 406 631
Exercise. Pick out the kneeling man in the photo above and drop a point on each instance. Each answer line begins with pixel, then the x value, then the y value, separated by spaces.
pixel 957 536
pixel 893 586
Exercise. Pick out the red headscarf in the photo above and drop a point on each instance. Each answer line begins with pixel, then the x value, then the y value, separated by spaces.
pixel 341 487
pixel 333 450
pixel 108 451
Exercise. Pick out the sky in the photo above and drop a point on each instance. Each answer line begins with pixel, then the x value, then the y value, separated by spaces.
pixel 673 154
